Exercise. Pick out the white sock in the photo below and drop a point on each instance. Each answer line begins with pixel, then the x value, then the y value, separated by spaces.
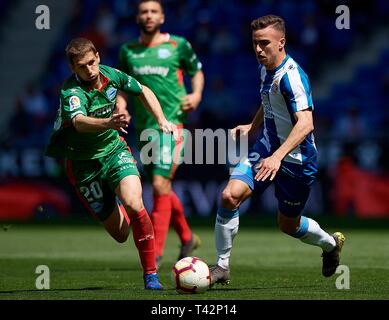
pixel 225 232
pixel 311 233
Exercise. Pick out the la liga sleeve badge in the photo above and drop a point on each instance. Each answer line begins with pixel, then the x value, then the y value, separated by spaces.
pixel 74 103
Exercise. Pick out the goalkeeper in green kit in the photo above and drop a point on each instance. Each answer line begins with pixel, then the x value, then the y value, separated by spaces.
pixel 98 162
pixel 160 60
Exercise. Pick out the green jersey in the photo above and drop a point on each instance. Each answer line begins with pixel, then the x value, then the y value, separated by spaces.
pixel 160 67
pixel 77 98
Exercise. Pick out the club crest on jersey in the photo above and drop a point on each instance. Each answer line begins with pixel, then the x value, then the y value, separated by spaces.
pixel 74 103
pixel 111 93
pixel 164 53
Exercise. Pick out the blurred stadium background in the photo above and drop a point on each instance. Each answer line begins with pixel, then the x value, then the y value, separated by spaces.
pixel 349 72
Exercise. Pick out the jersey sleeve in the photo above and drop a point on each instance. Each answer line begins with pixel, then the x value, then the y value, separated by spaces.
pixel 72 104
pixel 128 84
pixel 296 89
pixel 188 58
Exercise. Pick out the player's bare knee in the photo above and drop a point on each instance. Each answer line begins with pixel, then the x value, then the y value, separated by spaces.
pixel 161 186
pixel 229 201
pixel 133 205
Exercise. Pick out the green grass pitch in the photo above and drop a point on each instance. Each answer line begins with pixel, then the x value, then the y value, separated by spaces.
pixel 85 263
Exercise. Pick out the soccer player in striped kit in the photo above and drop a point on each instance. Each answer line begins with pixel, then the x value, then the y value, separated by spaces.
pixel 284 153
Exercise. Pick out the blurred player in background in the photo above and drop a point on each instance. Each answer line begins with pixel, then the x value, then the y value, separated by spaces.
pixel 159 60
pixel 284 153
pixel 99 163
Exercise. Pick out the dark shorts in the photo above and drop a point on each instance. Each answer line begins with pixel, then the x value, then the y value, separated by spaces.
pixel 292 183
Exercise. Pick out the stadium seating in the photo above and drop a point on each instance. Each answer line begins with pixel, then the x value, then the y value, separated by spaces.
pixel 240 77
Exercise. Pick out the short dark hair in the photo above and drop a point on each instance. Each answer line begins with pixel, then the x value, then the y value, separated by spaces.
pixel 79 47
pixel 143 1
pixel 270 20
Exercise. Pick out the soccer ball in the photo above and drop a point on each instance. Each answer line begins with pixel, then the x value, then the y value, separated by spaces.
pixel 191 275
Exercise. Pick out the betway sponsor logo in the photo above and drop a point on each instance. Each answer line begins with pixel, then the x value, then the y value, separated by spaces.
pixel 146 70
pixel 107 109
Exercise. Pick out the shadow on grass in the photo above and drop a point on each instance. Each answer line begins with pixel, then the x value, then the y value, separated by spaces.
pixel 221 289
pixel 52 290
pixel 166 291
pixel 102 269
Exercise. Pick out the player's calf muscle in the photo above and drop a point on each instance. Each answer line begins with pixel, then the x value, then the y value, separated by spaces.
pixel 288 225
pixel 120 236
pixel 287 228
pixel 117 226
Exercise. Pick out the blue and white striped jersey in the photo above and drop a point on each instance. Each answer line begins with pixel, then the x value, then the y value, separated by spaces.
pixel 285 91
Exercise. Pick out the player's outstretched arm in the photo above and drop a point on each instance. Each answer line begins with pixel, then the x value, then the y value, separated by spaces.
pixel 151 103
pixel 84 124
pixel 121 105
pixel 191 101
pixel 258 119
pixel 303 127
pixel 121 102
pixel 269 167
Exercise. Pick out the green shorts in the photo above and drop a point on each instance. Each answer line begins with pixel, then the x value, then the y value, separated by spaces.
pixel 96 180
pixel 161 154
